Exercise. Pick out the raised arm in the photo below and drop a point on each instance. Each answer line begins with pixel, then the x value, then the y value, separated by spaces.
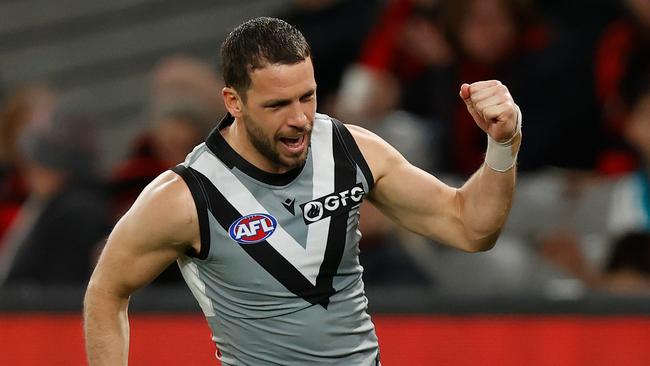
pixel 161 225
pixel 469 218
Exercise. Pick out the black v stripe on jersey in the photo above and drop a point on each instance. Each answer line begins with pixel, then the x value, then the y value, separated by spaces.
pixel 344 177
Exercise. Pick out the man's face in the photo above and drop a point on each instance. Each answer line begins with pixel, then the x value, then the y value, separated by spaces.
pixel 279 113
pixel 488 33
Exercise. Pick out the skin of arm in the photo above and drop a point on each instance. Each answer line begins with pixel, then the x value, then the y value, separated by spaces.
pixel 469 218
pixel 160 226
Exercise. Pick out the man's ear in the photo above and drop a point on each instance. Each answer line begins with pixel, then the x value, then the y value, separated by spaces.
pixel 232 101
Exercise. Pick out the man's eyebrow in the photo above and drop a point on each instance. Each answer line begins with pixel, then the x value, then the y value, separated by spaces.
pixel 282 102
pixel 308 93
pixel 276 103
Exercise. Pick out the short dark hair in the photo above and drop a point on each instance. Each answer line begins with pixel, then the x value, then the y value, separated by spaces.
pixel 257 43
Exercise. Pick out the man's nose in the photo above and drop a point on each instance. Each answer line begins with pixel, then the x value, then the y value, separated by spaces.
pixel 297 118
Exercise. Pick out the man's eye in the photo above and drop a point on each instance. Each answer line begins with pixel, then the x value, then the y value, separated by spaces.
pixel 276 106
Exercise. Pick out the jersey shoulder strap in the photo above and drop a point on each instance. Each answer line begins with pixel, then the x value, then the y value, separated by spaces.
pixel 352 150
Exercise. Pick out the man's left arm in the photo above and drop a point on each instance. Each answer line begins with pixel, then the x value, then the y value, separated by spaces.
pixel 487 195
pixel 469 218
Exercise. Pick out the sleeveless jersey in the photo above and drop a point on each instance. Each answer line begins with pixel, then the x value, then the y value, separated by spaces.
pixel 278 275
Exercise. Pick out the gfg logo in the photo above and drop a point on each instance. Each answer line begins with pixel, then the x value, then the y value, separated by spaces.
pixel 332 204
pixel 253 228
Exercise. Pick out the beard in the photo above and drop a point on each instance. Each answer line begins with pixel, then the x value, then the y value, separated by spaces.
pixel 268 146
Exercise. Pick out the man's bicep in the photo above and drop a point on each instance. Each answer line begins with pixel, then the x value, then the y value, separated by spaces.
pixel 158 228
pixel 400 190
pixel 131 259
pixel 415 199
pixel 408 195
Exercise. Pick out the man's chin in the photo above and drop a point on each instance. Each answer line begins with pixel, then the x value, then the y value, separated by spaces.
pixel 295 163
pixel 292 162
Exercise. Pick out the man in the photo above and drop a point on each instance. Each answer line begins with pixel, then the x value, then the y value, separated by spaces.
pixel 262 218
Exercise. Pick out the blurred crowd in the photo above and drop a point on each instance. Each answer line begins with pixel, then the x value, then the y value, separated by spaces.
pixel 580 221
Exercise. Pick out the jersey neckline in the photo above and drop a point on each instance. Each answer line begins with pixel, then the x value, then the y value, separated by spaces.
pixel 220 147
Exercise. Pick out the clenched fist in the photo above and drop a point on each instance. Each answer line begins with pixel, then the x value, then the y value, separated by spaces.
pixel 492 107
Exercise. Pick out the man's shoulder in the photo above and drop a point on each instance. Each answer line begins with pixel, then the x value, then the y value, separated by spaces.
pixel 364 138
pixel 324 118
pixel 165 208
pixel 168 192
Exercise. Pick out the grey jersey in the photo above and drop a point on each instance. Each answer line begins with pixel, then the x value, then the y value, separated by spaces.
pixel 278 275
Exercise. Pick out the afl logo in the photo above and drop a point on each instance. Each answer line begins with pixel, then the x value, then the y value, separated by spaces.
pixel 253 228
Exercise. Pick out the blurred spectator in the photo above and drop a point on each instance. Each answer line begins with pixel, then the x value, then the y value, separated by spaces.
pixel 166 144
pixel 628 267
pixel 415 60
pixel 406 39
pixel 24 106
pixel 508 41
pixel 421 51
pixel 65 216
pixel 626 270
pixel 612 207
pixel 184 104
pixel 572 214
pixel 336 30
pixel 386 90
pixel 622 61
pixel 185 82
pixel 630 199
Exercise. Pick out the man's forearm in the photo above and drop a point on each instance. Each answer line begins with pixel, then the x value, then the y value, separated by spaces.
pixel 486 201
pixel 106 329
pixel 487 197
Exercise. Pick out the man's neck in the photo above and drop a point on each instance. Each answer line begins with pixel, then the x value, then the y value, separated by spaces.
pixel 237 137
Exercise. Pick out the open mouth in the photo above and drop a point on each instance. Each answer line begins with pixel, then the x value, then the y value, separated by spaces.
pixel 293 143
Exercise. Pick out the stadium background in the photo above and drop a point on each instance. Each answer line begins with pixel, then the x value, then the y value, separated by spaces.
pixel 107 50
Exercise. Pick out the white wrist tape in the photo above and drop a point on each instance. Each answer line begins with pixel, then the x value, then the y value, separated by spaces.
pixel 502 156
